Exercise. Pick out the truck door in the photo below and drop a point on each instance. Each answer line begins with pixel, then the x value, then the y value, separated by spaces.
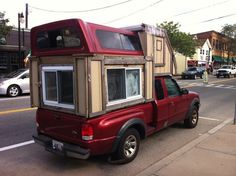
pixel 162 115
pixel 176 102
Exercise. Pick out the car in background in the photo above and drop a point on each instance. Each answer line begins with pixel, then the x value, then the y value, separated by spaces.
pixel 226 71
pixel 15 83
pixel 193 72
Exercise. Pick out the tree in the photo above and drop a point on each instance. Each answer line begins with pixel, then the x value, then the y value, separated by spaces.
pixel 4 28
pixel 180 41
pixel 230 31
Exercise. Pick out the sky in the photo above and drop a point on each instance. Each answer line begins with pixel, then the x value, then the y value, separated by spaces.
pixel 194 16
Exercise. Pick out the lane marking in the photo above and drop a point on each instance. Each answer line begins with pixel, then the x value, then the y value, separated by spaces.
pixel 16 98
pixel 16 145
pixel 212 82
pixel 220 85
pixel 207 118
pixel 210 85
pixel 16 110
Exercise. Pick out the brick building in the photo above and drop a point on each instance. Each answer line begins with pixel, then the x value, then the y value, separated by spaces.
pixel 219 43
pixel 9 52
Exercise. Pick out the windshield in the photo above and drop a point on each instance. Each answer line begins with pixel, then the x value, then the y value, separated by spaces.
pixel 192 69
pixel 226 67
pixel 15 73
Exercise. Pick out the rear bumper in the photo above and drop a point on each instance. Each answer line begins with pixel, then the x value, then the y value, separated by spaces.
pixel 66 149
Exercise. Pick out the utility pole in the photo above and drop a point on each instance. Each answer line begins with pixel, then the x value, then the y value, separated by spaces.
pixel 26 15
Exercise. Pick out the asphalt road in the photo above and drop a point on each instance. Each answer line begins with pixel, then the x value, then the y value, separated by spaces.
pixel 217 105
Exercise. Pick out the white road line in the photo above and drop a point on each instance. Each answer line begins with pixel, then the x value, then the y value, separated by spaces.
pixel 209 85
pixel 206 118
pixel 17 98
pixel 230 87
pixel 16 145
pixel 221 85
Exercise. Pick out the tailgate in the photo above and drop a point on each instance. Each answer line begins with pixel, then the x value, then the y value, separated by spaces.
pixel 61 126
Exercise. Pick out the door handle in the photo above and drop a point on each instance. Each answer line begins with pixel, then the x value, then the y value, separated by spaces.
pixel 172 103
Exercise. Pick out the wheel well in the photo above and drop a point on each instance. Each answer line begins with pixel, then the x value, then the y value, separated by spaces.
pixel 135 123
pixel 140 130
pixel 197 104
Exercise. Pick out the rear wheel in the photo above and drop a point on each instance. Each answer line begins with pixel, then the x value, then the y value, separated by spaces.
pixel 192 120
pixel 13 91
pixel 128 146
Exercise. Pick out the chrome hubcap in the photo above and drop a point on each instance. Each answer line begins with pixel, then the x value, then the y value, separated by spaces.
pixel 13 91
pixel 130 146
pixel 194 116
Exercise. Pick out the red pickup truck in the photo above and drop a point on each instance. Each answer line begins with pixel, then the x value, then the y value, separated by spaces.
pixel 117 132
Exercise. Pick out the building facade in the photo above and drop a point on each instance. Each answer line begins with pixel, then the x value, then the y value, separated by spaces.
pixel 203 54
pixel 10 51
pixel 201 58
pixel 220 48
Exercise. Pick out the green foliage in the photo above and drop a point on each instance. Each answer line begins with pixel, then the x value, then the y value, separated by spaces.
pixel 4 28
pixel 230 31
pixel 180 41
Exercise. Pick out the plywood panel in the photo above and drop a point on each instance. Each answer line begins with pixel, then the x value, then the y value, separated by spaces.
pixel 96 86
pixel 149 80
pixel 82 86
pixel 34 83
pixel 57 60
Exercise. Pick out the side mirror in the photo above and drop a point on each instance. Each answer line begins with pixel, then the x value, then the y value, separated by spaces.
pixel 184 91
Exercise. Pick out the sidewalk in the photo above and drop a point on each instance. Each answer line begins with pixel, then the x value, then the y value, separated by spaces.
pixel 211 154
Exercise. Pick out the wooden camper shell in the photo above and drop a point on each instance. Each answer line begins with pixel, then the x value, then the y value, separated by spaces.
pixel 91 62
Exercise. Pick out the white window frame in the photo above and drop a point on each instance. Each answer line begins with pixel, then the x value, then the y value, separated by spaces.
pixel 54 69
pixel 127 99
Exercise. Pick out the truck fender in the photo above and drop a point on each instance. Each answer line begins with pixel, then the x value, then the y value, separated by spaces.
pixel 136 123
pixel 195 102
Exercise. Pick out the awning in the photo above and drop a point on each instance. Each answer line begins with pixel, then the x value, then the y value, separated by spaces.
pixel 217 59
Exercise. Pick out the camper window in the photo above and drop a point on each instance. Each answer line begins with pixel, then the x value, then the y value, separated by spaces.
pixel 114 40
pixel 58 86
pixel 59 38
pixel 123 84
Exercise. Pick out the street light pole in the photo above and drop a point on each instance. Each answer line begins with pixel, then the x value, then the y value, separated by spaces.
pixel 20 16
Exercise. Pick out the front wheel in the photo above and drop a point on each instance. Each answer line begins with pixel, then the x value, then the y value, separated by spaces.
pixel 128 146
pixel 13 91
pixel 192 120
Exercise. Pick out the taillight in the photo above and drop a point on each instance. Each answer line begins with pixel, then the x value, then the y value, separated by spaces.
pixel 87 132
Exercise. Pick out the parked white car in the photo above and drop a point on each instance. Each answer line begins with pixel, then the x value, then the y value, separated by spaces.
pixel 15 83
pixel 226 71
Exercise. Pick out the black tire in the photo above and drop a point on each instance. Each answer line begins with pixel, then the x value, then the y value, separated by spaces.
pixel 194 76
pixel 129 146
pixel 13 91
pixel 217 76
pixel 192 119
